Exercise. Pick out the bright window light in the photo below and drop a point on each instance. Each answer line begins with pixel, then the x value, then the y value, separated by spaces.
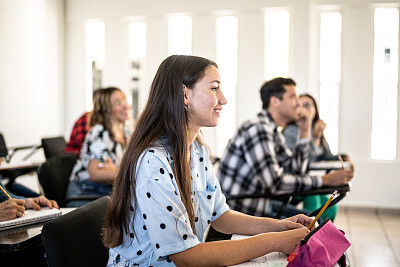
pixel 276 55
pixel 385 94
pixel 227 50
pixel 180 35
pixel 137 40
pixel 330 75
pixel 95 43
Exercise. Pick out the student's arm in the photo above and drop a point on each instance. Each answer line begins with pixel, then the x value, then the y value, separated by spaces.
pixel 229 252
pixel 288 175
pixel 221 253
pixel 102 172
pixel 234 222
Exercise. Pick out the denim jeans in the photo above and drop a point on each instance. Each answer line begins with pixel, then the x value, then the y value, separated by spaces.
pixel 85 188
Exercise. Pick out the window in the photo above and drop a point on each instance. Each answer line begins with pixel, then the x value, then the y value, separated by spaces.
pixel 330 75
pixel 137 53
pixel 227 50
pixel 180 35
pixel 385 94
pixel 95 47
pixel 276 56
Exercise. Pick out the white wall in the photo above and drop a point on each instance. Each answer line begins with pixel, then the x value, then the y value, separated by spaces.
pixel 31 70
pixel 31 66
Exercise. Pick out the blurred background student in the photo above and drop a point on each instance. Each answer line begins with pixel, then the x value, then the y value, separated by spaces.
pixel 319 150
pixel 101 152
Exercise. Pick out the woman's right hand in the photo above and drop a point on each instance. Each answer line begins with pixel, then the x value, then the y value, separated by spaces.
pixel 288 240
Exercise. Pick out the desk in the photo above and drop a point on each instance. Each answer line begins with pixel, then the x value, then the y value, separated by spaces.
pixel 327 165
pixel 13 170
pixel 22 246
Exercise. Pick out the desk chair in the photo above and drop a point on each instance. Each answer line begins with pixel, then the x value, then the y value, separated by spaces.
pixel 8 152
pixel 11 173
pixel 75 239
pixel 54 178
pixel 53 146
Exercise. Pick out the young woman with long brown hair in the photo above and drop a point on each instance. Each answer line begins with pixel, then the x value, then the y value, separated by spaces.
pixel 166 192
pixel 101 152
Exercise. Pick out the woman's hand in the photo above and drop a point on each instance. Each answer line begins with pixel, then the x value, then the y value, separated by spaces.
pixel 295 222
pixel 288 240
pixel 37 202
pixel 319 128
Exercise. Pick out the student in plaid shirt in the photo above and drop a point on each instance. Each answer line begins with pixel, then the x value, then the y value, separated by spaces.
pixel 79 131
pixel 257 160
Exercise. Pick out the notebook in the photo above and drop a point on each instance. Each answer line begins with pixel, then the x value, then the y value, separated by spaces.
pixel 30 217
pixel 273 259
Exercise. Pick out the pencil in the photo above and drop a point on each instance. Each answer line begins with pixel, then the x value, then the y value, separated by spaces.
pixel 322 210
pixel 341 161
pixel 5 192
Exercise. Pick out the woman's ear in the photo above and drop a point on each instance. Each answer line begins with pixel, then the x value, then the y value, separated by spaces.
pixel 185 95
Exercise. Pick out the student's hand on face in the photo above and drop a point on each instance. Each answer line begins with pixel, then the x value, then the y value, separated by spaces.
pixel 304 123
pixel 11 209
pixel 319 128
pixel 340 177
pixel 37 202
pixel 288 240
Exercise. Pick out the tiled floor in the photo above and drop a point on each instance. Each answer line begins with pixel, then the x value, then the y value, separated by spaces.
pixel 374 235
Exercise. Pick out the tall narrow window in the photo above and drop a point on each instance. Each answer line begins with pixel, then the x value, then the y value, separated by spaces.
pixel 276 55
pixel 180 35
pixel 95 41
pixel 227 50
pixel 137 53
pixel 330 74
pixel 386 62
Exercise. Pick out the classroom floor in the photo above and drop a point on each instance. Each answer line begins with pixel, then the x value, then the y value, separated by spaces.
pixel 374 235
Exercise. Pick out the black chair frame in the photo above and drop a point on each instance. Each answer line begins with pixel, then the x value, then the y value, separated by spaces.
pixel 289 198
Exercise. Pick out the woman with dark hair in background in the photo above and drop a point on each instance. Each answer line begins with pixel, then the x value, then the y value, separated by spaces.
pixel 319 150
pixel 166 193
pixel 101 152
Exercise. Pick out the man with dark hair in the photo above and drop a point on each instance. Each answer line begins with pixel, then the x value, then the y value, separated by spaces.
pixel 257 160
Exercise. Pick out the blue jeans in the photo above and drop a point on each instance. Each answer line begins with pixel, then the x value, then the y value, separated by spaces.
pixel 85 188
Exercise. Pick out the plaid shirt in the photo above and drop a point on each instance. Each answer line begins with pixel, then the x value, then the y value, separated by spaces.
pixel 79 131
pixel 257 160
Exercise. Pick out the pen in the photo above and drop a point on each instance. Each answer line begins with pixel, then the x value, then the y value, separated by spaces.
pixel 5 192
pixel 341 161
pixel 322 210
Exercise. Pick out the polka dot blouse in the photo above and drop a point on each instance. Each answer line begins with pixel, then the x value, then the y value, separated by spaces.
pixel 162 226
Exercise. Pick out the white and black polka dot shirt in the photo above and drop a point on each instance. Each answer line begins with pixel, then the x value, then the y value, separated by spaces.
pixel 162 226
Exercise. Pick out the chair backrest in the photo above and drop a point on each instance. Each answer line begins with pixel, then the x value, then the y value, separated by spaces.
pixel 74 239
pixel 3 147
pixel 54 176
pixel 53 146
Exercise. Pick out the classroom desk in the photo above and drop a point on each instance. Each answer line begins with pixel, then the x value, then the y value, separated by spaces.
pixel 22 246
pixel 11 171
pixel 328 165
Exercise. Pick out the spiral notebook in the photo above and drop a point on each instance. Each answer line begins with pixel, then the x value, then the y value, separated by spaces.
pixel 30 217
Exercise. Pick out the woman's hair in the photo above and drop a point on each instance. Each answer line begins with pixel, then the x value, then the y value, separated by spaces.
pixel 315 119
pixel 102 109
pixel 163 116
pixel 316 116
